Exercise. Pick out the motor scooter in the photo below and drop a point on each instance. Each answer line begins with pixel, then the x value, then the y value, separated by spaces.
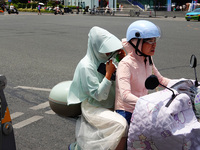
pixel 13 11
pixel 167 119
pixel 7 138
pixel 163 120
pixel 58 12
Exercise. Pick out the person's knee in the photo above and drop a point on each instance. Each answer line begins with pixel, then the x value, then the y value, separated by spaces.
pixel 123 125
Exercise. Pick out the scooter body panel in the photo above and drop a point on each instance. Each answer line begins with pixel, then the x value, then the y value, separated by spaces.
pixel 155 126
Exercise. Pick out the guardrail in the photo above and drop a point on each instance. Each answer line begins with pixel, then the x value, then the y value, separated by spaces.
pixel 102 11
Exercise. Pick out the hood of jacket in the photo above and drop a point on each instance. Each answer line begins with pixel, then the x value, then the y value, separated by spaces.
pixel 131 50
pixel 100 42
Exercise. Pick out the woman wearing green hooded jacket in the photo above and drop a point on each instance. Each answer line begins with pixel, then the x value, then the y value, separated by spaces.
pixel 98 127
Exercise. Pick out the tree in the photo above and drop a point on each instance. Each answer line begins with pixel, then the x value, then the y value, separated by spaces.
pixel 20 1
pixel 2 2
pixel 23 1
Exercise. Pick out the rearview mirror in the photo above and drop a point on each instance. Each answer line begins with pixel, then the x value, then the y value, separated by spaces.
pixel 193 64
pixel 151 82
pixel 193 61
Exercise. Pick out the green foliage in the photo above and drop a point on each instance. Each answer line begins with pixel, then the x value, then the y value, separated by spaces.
pixel 2 2
pixel 23 5
pixel 61 6
pixel 28 5
pixel 14 1
pixel 20 5
pixel 20 1
pixel 34 10
pixel 15 5
pixel 23 1
pixel 72 7
pixel 34 5
pixel 51 3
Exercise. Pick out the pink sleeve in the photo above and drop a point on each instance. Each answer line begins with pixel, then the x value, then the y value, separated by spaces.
pixel 124 81
pixel 163 80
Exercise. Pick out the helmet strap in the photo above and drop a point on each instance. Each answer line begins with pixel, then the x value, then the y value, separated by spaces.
pixel 139 53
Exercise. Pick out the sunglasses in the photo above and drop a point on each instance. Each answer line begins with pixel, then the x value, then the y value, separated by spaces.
pixel 150 41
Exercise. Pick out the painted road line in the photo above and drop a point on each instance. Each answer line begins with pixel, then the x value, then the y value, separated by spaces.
pixel 16 114
pixel 32 88
pixel 40 106
pixel 50 112
pixel 27 122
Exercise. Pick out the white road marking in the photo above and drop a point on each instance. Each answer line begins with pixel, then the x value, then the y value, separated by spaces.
pixel 32 88
pixel 37 107
pixel 16 114
pixel 27 122
pixel 40 106
pixel 50 112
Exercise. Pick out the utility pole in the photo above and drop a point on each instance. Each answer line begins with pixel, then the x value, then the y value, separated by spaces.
pixel 101 3
pixel 169 5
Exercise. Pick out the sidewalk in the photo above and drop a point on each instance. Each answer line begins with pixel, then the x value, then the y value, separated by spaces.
pixel 126 13
pixel 152 13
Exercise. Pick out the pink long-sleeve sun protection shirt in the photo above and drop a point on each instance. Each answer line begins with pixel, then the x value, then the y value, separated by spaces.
pixel 130 78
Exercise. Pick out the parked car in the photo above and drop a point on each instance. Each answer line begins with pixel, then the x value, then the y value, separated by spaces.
pixel 194 15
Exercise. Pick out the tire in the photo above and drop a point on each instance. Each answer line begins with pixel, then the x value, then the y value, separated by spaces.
pixel 7 128
pixel 199 18
pixel 188 20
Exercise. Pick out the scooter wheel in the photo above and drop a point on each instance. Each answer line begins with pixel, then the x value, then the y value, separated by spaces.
pixel 7 128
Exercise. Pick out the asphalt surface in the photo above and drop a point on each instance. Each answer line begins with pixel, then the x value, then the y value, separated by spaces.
pixel 39 51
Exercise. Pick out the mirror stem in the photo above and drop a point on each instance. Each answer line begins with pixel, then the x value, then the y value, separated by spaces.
pixel 196 81
pixel 172 98
pixel 169 102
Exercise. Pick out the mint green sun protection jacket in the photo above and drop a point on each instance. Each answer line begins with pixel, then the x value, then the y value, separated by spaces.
pixel 87 82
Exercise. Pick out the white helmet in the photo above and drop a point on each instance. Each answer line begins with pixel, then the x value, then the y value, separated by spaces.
pixel 142 29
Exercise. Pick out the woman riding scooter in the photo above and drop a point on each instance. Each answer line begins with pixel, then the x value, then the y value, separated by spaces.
pixel 99 127
pixel 162 120
pixel 140 43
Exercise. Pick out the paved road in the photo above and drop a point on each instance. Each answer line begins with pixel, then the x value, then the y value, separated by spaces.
pixel 37 52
